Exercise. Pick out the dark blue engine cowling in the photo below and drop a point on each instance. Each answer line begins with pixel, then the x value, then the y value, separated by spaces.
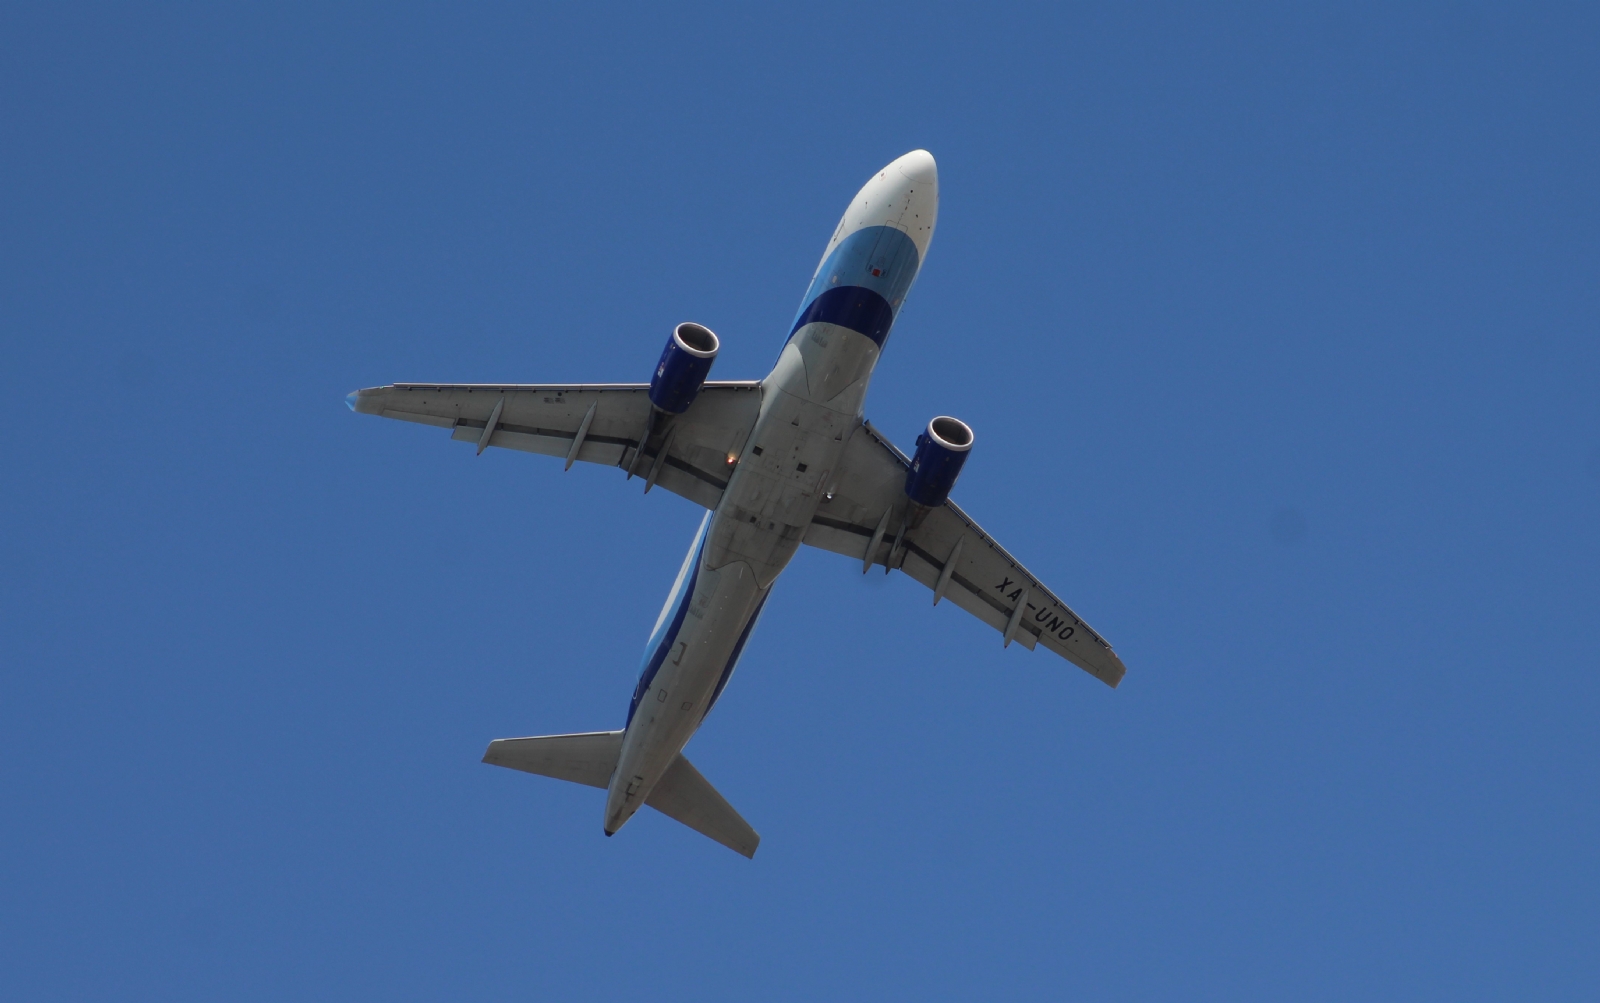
pixel 683 367
pixel 941 451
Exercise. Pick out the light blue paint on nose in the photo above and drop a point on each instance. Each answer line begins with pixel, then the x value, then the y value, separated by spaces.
pixel 350 399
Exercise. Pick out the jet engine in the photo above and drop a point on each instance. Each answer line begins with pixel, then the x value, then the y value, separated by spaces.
pixel 683 367
pixel 941 451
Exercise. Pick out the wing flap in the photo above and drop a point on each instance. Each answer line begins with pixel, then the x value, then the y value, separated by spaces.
pixel 423 419
pixel 547 442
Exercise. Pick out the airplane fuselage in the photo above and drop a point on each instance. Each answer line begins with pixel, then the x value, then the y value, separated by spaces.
pixel 811 405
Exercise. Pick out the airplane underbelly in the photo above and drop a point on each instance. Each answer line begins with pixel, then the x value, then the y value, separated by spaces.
pixel 697 658
pixel 780 479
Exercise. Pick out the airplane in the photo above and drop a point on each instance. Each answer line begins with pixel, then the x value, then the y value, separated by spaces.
pixel 776 463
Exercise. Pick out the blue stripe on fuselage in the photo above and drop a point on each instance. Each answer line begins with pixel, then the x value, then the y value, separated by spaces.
pixel 671 619
pixel 858 309
pixel 862 283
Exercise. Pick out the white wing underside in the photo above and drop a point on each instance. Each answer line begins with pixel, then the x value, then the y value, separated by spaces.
pixel 546 419
pixel 986 581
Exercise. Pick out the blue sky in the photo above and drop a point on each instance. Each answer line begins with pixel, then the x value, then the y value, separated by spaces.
pixel 1278 329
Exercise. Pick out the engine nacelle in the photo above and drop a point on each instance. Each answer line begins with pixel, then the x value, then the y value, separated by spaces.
pixel 941 451
pixel 683 367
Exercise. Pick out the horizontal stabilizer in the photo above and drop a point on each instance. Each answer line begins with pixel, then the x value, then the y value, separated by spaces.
pixel 589 759
pixel 585 759
pixel 683 794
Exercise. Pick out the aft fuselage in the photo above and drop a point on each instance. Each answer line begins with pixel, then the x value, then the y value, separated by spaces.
pixel 811 404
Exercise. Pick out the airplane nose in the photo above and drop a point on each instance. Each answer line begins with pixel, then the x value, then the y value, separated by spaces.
pixel 903 194
pixel 911 185
pixel 918 166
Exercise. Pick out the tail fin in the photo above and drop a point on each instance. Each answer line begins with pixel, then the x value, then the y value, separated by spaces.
pixel 681 794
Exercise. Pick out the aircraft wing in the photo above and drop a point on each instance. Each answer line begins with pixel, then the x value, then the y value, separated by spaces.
pixel 605 421
pixel 863 518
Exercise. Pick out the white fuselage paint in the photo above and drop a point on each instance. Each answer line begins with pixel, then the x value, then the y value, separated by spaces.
pixel 811 405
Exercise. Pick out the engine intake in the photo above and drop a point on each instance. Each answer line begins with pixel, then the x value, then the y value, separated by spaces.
pixel 941 451
pixel 683 367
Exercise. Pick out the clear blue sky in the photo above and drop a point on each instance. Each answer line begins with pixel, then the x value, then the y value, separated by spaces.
pixel 1278 329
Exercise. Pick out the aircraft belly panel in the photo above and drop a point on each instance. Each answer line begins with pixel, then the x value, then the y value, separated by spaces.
pixel 835 358
pixel 779 481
